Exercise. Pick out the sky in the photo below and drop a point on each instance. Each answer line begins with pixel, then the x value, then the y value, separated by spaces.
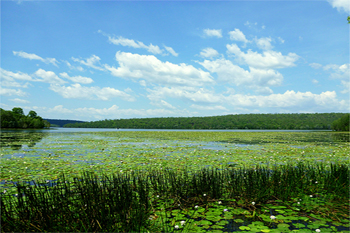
pixel 96 60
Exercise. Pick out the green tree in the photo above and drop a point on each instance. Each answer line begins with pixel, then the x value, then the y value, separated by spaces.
pixel 18 112
pixel 342 124
pixel 32 114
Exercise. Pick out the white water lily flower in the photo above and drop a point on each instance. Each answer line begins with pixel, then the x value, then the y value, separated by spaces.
pixel 273 217
pixel 196 207
pixel 204 195
pixel 310 195
pixel 318 230
pixel 219 202
pixel 176 227
pixel 183 223
pixel 253 203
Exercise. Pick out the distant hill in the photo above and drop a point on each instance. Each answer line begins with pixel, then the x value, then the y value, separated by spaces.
pixel 319 121
pixel 61 123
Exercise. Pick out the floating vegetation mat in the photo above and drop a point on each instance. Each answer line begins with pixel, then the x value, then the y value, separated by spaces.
pixel 170 181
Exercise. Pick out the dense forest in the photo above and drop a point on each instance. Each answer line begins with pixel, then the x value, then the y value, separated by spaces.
pixel 16 119
pixel 342 124
pixel 321 121
pixel 61 123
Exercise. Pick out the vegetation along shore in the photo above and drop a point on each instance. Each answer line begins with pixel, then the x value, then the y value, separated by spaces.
pixel 175 181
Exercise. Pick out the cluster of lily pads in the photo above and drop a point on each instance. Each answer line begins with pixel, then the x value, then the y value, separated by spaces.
pixel 169 161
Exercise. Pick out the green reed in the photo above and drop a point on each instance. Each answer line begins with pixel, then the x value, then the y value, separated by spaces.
pixel 125 201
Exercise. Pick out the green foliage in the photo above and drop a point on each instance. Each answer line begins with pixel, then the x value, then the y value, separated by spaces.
pixel 127 203
pixel 17 119
pixel 302 121
pixel 342 124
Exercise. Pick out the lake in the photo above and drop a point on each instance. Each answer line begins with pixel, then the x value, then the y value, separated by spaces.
pixel 43 155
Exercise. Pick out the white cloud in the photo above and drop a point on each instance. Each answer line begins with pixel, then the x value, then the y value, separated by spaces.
pixel 20 101
pixel 163 103
pixel 11 76
pixel 77 79
pixel 76 91
pixel 11 79
pixel 249 24
pixel 59 109
pixel 280 40
pixel 171 50
pixel 238 35
pixel 315 65
pixel 341 72
pixel 11 92
pixel 314 81
pixel 266 60
pixel 264 43
pixel 231 73
pixel 92 62
pixel 213 32
pixel 74 67
pixel 290 100
pixel 346 85
pixel 150 69
pixel 33 56
pixel 48 77
pixel 114 112
pixel 209 52
pixel 300 101
pixel 192 94
pixel 341 5
pixel 201 107
pixel 137 44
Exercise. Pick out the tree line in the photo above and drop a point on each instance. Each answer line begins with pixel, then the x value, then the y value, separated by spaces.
pixel 17 119
pixel 299 121
pixel 342 124
pixel 61 123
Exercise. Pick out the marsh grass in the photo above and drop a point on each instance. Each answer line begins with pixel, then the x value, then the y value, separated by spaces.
pixel 129 202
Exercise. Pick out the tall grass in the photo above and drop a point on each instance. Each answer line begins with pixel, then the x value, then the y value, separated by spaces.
pixel 123 202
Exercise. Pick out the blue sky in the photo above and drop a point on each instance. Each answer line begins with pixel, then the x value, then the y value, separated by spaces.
pixel 92 60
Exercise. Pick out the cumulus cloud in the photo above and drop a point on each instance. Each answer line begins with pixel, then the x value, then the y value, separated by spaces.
pixel 254 78
pixel 238 35
pixel 264 43
pixel 213 32
pixel 209 52
pixel 48 77
pixel 76 91
pixel 32 56
pixel 77 79
pixel 341 5
pixel 11 79
pixel 267 60
pixel 11 92
pixel 301 101
pixel 151 69
pixel 191 94
pixel 92 62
